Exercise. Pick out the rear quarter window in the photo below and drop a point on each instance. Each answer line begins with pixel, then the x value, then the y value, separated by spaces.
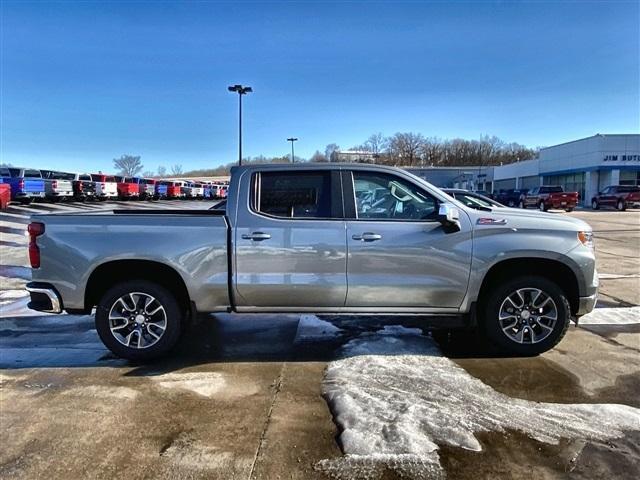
pixel 292 194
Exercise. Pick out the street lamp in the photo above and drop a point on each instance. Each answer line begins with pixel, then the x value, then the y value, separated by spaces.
pixel 293 159
pixel 241 90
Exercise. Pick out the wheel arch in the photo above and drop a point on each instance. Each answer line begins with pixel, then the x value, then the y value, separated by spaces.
pixel 555 270
pixel 108 274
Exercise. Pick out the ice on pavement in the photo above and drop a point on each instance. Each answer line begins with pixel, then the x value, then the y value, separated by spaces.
pixel 395 398
pixel 311 328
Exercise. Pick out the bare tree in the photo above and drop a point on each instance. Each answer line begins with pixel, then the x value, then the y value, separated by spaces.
pixel 318 157
pixel 162 171
pixel 376 143
pixel 128 165
pixel 176 170
pixel 330 151
pixel 405 148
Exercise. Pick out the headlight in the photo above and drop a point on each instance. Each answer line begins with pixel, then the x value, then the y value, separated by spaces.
pixel 586 238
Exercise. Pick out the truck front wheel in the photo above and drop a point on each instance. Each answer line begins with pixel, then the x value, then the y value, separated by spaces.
pixel 526 316
pixel 139 320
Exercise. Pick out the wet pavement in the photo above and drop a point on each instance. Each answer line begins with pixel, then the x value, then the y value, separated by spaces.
pixel 248 396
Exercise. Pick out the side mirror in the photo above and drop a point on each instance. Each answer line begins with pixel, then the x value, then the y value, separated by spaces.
pixel 448 215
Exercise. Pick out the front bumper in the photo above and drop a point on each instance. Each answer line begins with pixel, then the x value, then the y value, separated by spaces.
pixel 587 304
pixel 44 298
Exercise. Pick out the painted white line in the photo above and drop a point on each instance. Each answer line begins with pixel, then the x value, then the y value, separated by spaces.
pixel 612 316
pixel 612 276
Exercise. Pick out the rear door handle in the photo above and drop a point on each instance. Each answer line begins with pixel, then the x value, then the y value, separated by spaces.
pixel 257 236
pixel 367 237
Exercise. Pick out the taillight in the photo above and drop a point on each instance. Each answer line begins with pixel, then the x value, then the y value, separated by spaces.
pixel 80 186
pixel 35 229
pixel 54 184
pixel 21 185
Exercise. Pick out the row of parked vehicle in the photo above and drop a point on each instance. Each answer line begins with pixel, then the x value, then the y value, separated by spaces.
pixel 546 197
pixel 27 184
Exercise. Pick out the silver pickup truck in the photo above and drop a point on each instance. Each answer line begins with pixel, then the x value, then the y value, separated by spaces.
pixel 339 238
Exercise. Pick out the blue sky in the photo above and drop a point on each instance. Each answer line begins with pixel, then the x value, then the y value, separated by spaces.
pixel 84 82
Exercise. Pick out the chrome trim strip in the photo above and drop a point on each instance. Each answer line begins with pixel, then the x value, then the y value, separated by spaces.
pixel 53 298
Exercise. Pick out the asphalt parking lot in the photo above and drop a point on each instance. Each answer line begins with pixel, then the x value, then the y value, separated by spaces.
pixel 291 396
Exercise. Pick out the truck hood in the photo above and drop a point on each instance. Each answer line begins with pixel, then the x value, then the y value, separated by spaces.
pixel 531 219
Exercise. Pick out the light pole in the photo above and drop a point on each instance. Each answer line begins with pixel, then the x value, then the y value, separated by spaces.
pixel 293 159
pixel 241 90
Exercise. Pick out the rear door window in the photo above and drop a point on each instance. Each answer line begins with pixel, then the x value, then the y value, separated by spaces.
pixel 300 194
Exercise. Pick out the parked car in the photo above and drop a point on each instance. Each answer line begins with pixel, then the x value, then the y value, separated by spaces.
pixel 174 190
pixel 472 199
pixel 147 187
pixel 26 183
pixel 550 196
pixel 57 185
pixel 511 197
pixel 5 195
pixel 106 186
pixel 161 189
pixel 84 187
pixel 617 196
pixel 206 187
pixel 127 188
pixel 280 246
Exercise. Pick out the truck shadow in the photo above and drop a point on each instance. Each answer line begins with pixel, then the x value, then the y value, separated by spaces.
pixel 289 338
pixel 41 341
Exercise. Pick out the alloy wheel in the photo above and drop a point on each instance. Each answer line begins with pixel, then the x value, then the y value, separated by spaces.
pixel 137 320
pixel 528 315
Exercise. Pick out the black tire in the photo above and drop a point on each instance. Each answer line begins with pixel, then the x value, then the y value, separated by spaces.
pixel 511 203
pixel 621 206
pixel 168 339
pixel 490 308
pixel 542 206
pixel 25 201
pixel 595 205
pixel 570 209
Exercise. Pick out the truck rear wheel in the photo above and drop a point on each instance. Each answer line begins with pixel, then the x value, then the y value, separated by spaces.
pixel 526 316
pixel 139 320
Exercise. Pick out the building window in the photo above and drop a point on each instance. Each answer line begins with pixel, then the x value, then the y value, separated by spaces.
pixel 628 177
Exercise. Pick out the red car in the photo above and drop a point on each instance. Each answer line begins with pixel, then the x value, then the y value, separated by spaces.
pixel 127 188
pixel 550 196
pixel 5 195
pixel 617 196
pixel 174 190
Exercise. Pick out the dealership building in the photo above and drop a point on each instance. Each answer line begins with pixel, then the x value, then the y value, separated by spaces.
pixel 585 166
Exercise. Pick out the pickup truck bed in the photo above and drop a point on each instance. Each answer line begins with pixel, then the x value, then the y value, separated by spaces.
pixel 192 242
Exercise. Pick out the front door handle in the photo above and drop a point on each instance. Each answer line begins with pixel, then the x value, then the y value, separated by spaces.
pixel 367 237
pixel 257 236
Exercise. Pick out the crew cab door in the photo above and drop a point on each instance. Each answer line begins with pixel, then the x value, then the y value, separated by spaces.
pixel 290 244
pixel 399 254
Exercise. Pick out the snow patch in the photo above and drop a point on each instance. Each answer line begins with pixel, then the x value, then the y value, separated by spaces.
pixel 395 398
pixel 311 328
pixel 206 384
pixel 612 316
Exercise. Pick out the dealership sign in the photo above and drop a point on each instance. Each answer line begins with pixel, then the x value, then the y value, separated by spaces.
pixel 623 158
